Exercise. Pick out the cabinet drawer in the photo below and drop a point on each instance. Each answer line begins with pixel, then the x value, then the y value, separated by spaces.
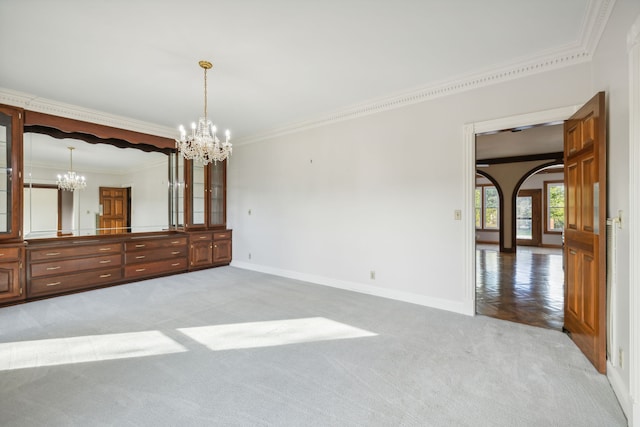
pixel 155 268
pixel 222 235
pixel 155 255
pixel 74 265
pixel 139 245
pixel 9 254
pixel 68 282
pixel 68 251
pixel 200 237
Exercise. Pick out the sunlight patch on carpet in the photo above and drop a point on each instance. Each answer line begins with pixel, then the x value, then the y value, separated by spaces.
pixel 272 333
pixel 89 348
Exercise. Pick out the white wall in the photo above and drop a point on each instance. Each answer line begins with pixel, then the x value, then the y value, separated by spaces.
pixel 610 74
pixel 330 204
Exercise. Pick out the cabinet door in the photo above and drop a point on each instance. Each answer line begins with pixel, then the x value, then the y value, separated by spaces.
pixel 201 254
pixel 222 251
pixel 10 283
pixel 10 172
pixel 198 193
pixel 217 194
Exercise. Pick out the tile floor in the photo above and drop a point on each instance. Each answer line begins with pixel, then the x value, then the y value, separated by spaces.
pixel 525 287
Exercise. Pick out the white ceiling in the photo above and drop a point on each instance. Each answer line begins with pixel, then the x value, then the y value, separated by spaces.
pixel 276 62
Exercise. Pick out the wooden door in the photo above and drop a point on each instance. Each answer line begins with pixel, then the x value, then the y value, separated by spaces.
pixel 529 218
pixel 113 213
pixel 585 226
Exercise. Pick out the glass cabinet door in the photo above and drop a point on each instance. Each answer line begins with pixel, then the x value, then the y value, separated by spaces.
pixel 198 193
pixel 217 194
pixel 10 145
pixel 176 190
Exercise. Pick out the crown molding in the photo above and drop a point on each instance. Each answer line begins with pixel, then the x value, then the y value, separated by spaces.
pixel 594 22
pixel 595 19
pixel 42 105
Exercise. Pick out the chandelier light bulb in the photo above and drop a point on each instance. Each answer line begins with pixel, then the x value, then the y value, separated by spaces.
pixel 202 144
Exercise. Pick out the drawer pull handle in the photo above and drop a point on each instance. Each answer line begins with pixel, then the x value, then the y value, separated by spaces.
pixel 175 264
pixel 105 249
pixel 141 257
pixel 203 237
pixel 1 254
pixel 175 242
pixel 175 252
pixel 53 268
pixel 105 261
pixel 138 270
pixel 104 276
pixel 53 253
pixel 140 245
pixel 53 284
pixel 572 252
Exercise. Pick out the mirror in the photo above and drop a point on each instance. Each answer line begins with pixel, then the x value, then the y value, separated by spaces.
pixel 127 189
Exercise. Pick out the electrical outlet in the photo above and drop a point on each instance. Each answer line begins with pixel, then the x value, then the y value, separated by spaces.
pixel 372 275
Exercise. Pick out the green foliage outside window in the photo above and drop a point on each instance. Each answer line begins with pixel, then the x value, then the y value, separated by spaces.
pixel 555 206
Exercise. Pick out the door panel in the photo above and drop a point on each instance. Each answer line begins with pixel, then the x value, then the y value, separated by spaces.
pixel 585 270
pixel 114 202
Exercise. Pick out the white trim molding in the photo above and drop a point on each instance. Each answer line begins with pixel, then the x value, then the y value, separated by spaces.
pixel 69 111
pixel 594 22
pixel 633 43
pixel 453 306
pixel 469 145
pixel 582 50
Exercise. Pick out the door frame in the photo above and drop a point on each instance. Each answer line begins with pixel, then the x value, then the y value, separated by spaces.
pixel 469 174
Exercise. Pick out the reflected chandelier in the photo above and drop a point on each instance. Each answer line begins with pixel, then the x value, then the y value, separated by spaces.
pixel 202 144
pixel 71 181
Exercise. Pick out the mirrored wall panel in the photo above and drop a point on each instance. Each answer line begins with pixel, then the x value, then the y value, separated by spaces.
pixel 127 190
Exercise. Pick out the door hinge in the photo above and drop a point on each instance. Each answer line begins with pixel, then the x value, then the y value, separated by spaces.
pixel 20 290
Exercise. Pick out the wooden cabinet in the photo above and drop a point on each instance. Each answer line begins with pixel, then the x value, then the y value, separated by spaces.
pixel 11 123
pixel 209 248
pixel 69 266
pixel 155 256
pixel 11 277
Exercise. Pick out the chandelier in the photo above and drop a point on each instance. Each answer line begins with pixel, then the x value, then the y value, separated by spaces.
pixel 71 181
pixel 202 144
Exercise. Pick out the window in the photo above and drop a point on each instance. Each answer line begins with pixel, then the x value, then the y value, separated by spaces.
pixel 554 212
pixel 487 207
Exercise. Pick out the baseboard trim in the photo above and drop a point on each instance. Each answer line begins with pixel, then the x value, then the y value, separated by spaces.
pixel 621 392
pixel 460 307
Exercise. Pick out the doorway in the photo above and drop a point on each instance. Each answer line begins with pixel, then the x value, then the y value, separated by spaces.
pixel 521 279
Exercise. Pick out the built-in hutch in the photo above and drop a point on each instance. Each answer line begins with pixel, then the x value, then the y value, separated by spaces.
pixel 39 264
